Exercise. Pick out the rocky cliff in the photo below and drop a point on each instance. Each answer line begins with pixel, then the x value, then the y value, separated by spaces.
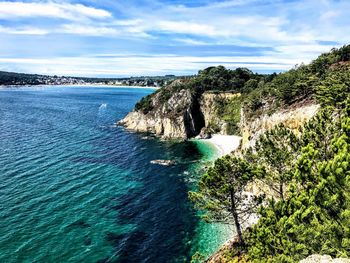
pixel 177 117
pixel 209 104
pixel 182 115
pixel 293 117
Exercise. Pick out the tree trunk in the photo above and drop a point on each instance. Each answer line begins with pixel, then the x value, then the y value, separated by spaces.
pixel 236 219
pixel 281 191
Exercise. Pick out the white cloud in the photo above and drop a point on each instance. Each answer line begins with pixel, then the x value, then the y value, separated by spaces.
pixel 183 27
pixel 290 32
pixel 329 15
pixel 23 31
pixel 87 30
pixel 190 41
pixel 140 65
pixel 14 10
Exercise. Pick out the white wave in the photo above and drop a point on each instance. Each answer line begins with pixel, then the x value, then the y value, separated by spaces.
pixel 103 106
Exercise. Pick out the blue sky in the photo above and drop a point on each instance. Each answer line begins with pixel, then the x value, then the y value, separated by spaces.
pixel 138 37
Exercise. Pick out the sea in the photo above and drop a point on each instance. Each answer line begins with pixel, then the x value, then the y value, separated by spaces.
pixel 75 187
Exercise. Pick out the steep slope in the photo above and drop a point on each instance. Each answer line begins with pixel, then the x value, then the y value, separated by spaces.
pixel 292 117
pixel 239 102
pixel 179 116
pixel 182 116
pixel 304 163
pixel 193 106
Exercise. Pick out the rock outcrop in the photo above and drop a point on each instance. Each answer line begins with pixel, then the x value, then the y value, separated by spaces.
pixel 293 117
pixel 178 117
pixel 209 103
pixel 182 116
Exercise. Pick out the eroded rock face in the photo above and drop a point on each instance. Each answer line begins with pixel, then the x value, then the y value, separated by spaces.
pixel 184 115
pixel 292 118
pixel 179 117
pixel 208 103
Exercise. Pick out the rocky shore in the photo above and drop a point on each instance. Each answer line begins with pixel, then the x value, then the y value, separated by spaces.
pixel 184 116
pixel 181 116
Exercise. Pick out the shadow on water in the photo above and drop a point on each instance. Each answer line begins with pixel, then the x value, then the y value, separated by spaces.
pixel 164 224
pixel 162 217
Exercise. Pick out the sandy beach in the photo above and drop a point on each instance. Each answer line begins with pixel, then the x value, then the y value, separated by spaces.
pixel 224 143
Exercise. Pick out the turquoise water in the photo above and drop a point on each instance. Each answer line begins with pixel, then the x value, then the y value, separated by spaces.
pixel 76 188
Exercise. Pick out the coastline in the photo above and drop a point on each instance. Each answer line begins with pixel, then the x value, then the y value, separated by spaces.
pixel 211 237
pixel 220 235
pixel 81 85
pixel 224 144
pixel 108 86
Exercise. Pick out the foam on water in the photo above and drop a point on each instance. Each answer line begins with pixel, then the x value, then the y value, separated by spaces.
pixel 103 106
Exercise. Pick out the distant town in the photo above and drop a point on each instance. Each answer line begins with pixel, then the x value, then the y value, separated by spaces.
pixel 20 79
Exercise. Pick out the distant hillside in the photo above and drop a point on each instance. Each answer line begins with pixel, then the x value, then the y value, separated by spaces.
pixel 12 78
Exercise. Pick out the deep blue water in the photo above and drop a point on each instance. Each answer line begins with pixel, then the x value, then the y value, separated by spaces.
pixel 76 188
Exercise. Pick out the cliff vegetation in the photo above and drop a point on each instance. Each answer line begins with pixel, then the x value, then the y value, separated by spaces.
pixel 257 95
pixel 306 171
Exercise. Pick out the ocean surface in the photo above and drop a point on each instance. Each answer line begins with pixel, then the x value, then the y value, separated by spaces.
pixel 74 187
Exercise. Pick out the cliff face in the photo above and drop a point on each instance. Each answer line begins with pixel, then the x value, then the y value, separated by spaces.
pixel 209 103
pixel 293 117
pixel 181 116
pixel 178 117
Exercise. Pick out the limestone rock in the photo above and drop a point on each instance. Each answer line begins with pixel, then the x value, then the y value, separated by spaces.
pixel 182 116
pixel 292 118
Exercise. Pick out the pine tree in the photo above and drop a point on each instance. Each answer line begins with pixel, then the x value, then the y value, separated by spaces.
pixel 315 216
pixel 221 193
pixel 276 151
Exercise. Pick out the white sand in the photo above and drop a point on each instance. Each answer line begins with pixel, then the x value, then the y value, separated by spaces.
pixel 224 143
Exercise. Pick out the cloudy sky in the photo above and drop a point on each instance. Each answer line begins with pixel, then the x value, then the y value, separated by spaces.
pixel 153 37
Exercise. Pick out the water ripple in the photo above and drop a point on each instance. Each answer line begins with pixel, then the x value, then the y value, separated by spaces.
pixel 76 188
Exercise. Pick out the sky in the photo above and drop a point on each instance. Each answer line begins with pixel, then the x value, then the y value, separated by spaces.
pixel 118 38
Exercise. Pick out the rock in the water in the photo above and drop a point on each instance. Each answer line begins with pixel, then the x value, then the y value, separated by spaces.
pixel 164 162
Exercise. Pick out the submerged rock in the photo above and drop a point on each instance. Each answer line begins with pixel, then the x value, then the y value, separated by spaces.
pixel 164 162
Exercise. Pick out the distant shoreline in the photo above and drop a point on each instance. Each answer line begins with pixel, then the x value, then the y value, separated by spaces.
pixel 81 85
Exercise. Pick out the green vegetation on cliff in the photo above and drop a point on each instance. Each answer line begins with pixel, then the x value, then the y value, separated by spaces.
pixel 212 79
pixel 307 210
pixel 264 94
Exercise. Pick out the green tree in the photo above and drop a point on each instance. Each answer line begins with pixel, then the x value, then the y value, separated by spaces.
pixel 315 216
pixel 221 193
pixel 276 150
pixel 335 88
